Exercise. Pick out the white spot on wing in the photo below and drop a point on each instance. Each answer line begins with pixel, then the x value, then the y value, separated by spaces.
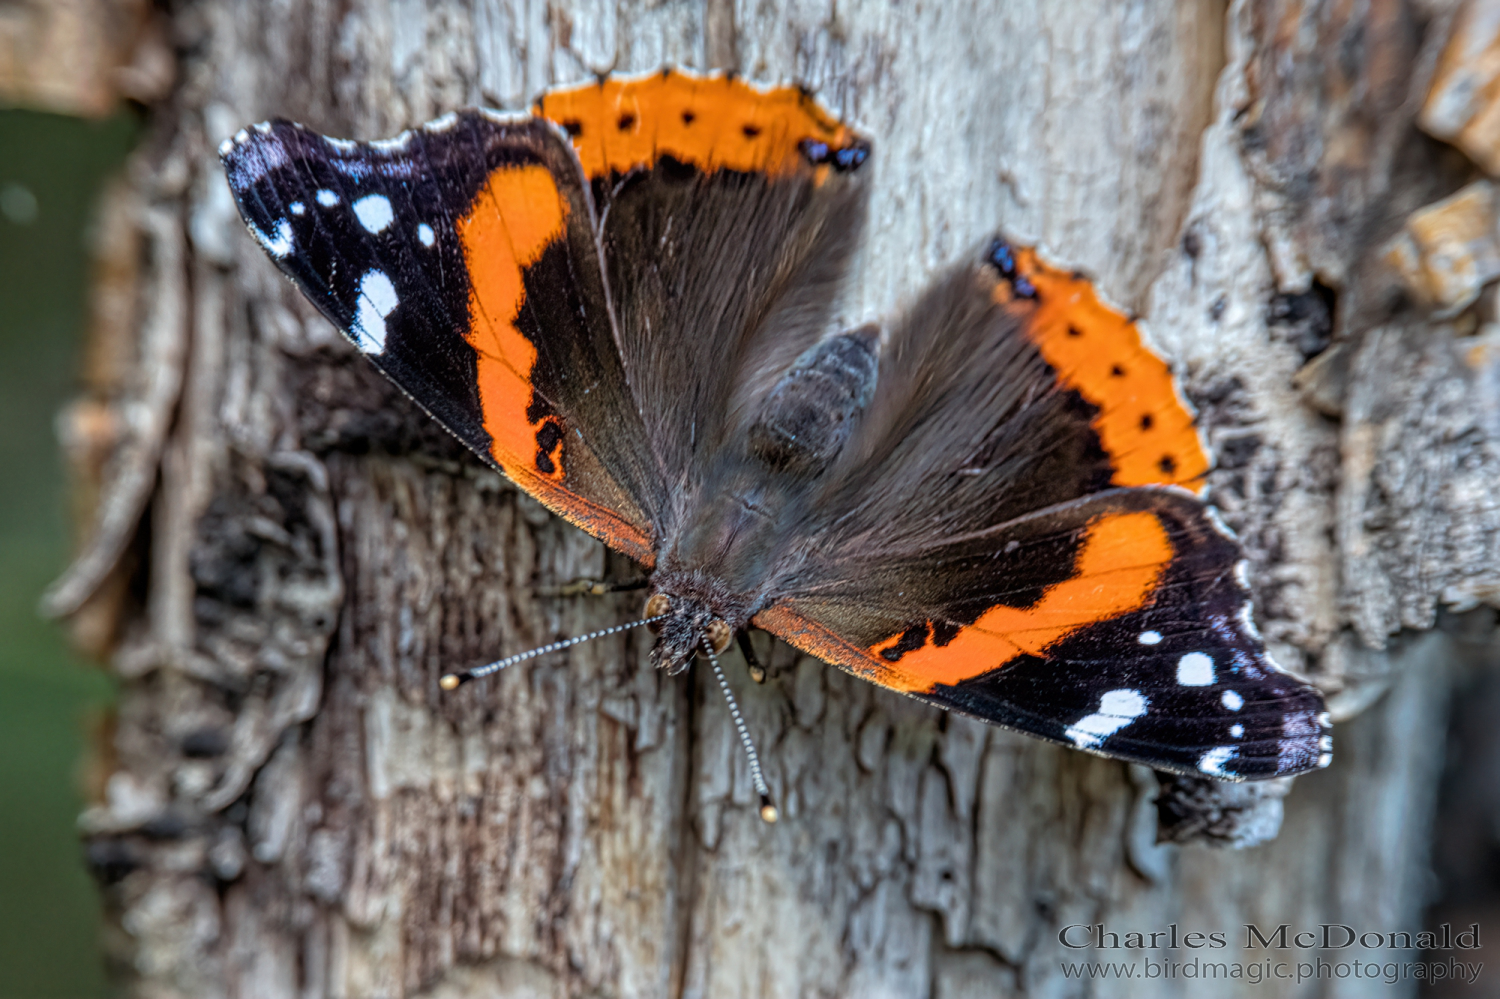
pixel 1196 669
pixel 1325 759
pixel 442 124
pixel 327 198
pixel 278 245
pixel 1232 700
pixel 342 145
pixel 297 208
pixel 1117 708
pixel 1236 730
pixel 226 147
pixel 374 212
pixel 242 136
pixel 425 234
pixel 1149 637
pixel 1212 762
pixel 377 297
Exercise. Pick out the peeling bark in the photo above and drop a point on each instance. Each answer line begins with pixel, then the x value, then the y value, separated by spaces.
pixel 287 555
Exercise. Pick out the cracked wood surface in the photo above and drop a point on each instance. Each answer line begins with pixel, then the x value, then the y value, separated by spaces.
pixel 295 809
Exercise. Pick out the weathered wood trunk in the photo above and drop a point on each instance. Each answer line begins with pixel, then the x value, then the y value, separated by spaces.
pixel 286 554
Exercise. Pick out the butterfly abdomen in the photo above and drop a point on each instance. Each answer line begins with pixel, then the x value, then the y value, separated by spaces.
pixel 807 417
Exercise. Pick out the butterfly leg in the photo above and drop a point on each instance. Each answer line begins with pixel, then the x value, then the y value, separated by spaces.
pixel 757 671
pixel 596 587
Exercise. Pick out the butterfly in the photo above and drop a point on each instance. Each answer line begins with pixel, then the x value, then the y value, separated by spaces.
pixel 624 302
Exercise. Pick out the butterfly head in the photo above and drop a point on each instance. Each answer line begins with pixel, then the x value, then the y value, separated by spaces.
pixel 685 626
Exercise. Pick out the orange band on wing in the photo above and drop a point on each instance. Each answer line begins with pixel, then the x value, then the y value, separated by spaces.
pixel 1120 561
pixel 1142 424
pixel 711 122
pixel 516 217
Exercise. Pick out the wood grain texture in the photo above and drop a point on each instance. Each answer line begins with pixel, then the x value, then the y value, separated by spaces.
pixel 295 809
pixel 79 57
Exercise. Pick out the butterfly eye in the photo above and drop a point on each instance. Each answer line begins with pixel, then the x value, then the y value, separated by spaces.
pixel 657 605
pixel 718 635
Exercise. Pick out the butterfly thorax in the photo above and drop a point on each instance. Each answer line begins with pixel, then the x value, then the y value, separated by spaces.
pixel 718 569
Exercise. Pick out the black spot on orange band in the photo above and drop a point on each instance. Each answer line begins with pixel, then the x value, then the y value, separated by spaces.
pixel 1131 389
pixel 911 640
pixel 711 122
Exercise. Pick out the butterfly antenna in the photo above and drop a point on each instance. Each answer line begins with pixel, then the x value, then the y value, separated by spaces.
pixel 767 810
pixel 452 681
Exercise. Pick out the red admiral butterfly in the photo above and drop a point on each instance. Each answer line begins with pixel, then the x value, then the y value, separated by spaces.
pixel 622 302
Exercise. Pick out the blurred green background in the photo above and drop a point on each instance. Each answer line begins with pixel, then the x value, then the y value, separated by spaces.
pixel 51 170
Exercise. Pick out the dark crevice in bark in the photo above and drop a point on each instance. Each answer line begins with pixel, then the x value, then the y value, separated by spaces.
pixel 688 860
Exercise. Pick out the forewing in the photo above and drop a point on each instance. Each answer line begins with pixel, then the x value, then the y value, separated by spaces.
pixel 727 218
pixel 460 258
